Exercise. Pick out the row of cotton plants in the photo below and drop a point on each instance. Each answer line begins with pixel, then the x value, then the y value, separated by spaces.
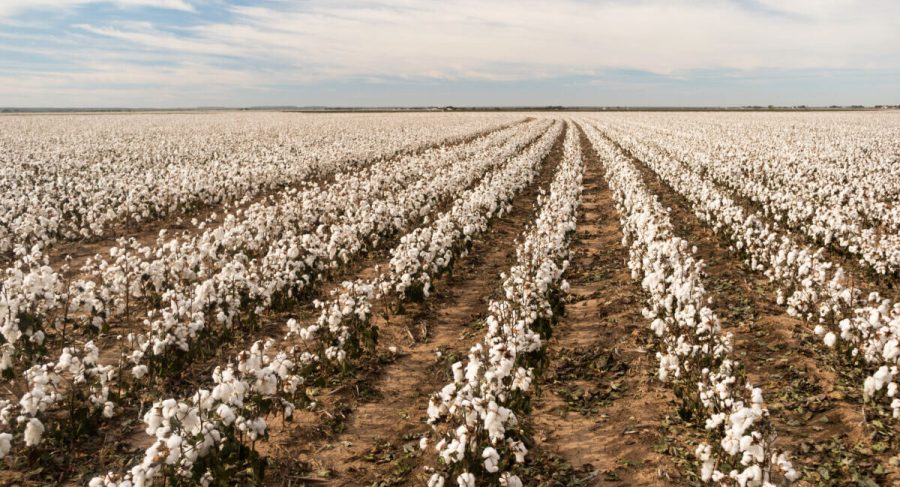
pixel 863 326
pixel 34 295
pixel 201 438
pixel 330 221
pixel 786 192
pixel 219 289
pixel 74 177
pixel 476 418
pixel 839 162
pixel 694 353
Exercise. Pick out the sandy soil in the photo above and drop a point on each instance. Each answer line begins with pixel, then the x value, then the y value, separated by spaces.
pixel 601 409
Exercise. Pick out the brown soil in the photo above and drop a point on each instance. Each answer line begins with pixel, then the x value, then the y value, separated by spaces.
pixel 818 418
pixel 376 442
pixel 601 410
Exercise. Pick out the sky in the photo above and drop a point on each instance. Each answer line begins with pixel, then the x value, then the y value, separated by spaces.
pixel 190 53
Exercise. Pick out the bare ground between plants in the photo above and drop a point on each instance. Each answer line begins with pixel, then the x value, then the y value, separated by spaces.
pixel 600 417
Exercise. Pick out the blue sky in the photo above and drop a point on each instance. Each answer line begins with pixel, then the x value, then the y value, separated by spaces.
pixel 185 53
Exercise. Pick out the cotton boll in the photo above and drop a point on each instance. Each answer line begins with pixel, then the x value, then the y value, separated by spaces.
pixel 139 371
pixel 465 480
pixel 34 429
pixel 509 480
pixel 491 458
pixel 5 444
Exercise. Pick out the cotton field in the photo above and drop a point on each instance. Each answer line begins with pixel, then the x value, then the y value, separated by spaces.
pixel 450 299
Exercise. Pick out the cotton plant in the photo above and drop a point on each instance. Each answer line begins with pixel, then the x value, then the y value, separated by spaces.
pixel 862 327
pixel 836 211
pixel 211 435
pixel 694 353
pixel 75 382
pixel 126 171
pixel 205 287
pixel 32 303
pixel 476 418
pixel 341 333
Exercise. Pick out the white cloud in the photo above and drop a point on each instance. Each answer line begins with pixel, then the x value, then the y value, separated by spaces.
pixel 286 42
pixel 518 39
pixel 12 7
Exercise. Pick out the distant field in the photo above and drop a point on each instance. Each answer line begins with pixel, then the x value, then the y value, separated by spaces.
pixel 449 298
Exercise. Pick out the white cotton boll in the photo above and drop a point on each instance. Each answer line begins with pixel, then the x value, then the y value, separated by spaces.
pixel 173 444
pixel 706 470
pixel 33 432
pixel 191 422
pixel 753 453
pixel 491 459
pixel 830 339
pixel 6 351
pixel 730 444
pixel 658 326
pixel 869 386
pixel 5 444
pixel 65 359
pixel 756 397
pixel 510 480
pixel 715 420
pixel 226 414
pixel 717 476
pixel 423 443
pixel 109 409
pixel 436 481
pixel 465 480
pixel 520 450
pixel 457 372
pixel 139 371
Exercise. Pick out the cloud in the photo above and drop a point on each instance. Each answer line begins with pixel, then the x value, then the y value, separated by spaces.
pixel 274 44
pixel 515 39
pixel 12 7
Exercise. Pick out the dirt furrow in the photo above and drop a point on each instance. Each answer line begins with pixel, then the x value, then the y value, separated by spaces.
pixel 817 414
pixel 376 441
pixel 600 414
